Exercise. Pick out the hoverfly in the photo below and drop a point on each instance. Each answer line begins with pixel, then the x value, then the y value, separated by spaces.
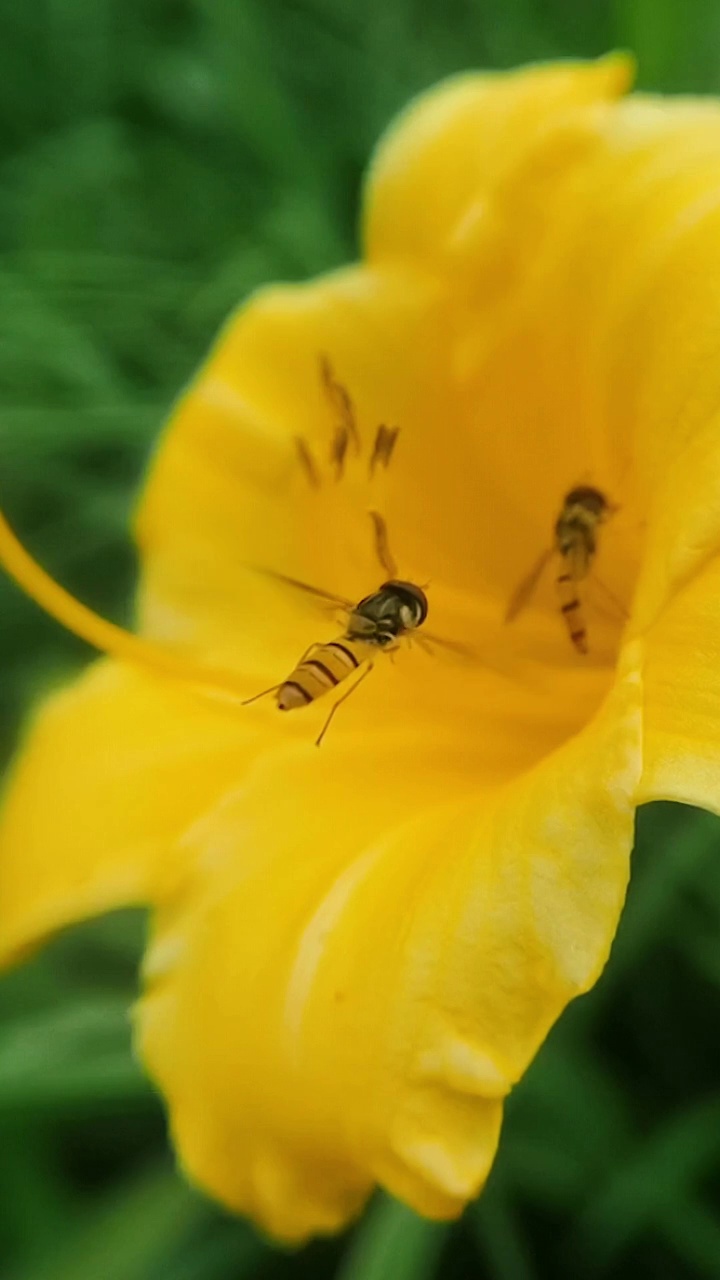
pixel 376 624
pixel 575 542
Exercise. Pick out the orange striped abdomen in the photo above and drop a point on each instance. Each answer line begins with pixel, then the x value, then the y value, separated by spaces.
pixel 324 667
pixel 571 608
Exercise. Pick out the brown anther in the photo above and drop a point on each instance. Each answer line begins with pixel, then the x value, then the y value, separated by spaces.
pixel 307 462
pixel 383 447
pixel 340 402
pixel 338 451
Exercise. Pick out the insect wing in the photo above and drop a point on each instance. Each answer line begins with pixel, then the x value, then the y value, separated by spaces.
pixel 525 589
pixel 615 606
pixel 317 593
pixel 464 651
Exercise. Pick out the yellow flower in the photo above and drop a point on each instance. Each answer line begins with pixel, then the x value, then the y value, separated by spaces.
pixel 357 950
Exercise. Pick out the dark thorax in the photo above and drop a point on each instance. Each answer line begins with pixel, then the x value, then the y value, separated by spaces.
pixel 576 528
pixel 381 618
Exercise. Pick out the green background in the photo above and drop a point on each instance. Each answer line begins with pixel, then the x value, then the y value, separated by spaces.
pixel 159 159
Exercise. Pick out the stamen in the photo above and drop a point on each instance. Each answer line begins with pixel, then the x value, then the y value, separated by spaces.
pixel 106 636
pixel 307 462
pixel 385 441
pixel 340 402
pixel 338 450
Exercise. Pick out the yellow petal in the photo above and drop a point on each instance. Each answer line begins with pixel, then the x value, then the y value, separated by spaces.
pixel 681 678
pixel 678 621
pixel 350 990
pixel 446 154
pixel 616 292
pixel 113 770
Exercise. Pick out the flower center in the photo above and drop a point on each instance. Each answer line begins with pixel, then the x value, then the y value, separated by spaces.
pixel 492 639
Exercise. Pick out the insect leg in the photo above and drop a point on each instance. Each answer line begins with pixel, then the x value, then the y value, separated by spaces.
pixel 344 697
pixel 310 649
pixel 273 689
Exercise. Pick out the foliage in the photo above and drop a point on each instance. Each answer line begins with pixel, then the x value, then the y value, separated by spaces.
pixel 161 158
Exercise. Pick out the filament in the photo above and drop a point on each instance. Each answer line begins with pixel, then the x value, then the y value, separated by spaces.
pixel 103 635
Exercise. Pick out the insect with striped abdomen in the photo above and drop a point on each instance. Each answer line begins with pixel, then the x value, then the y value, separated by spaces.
pixel 375 625
pixel 575 542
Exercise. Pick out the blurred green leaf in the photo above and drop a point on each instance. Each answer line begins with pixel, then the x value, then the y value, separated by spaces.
pixel 673 846
pixel 74 1055
pixel 223 1250
pixel 124 1237
pixel 647 1186
pixel 692 1230
pixel 393 1243
pixel 676 44
pixel 501 1238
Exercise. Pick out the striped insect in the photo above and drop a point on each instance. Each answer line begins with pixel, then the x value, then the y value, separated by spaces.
pixel 575 542
pixel 375 625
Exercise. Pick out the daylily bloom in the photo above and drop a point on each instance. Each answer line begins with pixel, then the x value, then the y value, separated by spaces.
pixel 356 950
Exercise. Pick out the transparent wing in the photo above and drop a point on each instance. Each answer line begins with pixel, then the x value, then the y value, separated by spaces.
pixel 325 597
pixel 428 640
pixel 526 588
pixel 616 605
